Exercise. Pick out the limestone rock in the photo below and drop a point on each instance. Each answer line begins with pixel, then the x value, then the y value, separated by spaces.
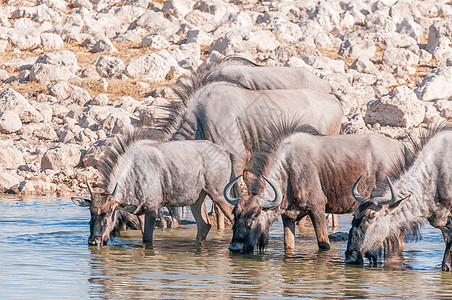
pixel 152 67
pixel 399 108
pixel 109 66
pixel 60 157
pixel 13 101
pixel 399 57
pixel 9 122
pixel 436 85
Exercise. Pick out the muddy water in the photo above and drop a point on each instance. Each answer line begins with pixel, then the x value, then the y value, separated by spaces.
pixel 44 254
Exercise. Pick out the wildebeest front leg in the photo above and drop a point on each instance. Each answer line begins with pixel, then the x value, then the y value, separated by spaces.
pixel 199 212
pixel 150 215
pixel 289 233
pixel 318 220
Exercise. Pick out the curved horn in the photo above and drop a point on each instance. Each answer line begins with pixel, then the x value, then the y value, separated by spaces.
pixel 355 193
pixel 278 197
pixel 227 191
pixel 114 190
pixel 393 198
pixel 90 189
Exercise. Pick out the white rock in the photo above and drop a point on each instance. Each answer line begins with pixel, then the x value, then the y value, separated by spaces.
pixel 325 63
pixel 156 22
pixel 25 41
pixel 152 67
pixel 103 45
pixel 357 48
pixel 8 180
pixel 46 133
pixel 399 108
pixel 437 29
pixel 178 8
pixel 155 41
pixel 3 75
pixel 364 65
pixel 410 27
pixel 200 37
pixel 399 57
pixel 51 41
pixel 90 72
pixel 13 101
pixel 63 58
pixel 69 93
pixel 9 122
pixel 109 66
pixel 325 15
pixel 441 48
pixel 10 158
pixel 436 85
pixel 61 157
pixel 444 107
pixel 44 73
pixel 312 33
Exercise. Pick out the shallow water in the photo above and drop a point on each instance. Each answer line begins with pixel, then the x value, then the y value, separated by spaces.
pixel 44 254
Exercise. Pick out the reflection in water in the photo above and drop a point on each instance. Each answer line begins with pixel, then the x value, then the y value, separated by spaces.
pixel 45 252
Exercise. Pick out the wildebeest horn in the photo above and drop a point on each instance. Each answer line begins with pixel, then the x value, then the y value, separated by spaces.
pixel 393 198
pixel 114 190
pixel 90 189
pixel 227 191
pixel 276 201
pixel 355 193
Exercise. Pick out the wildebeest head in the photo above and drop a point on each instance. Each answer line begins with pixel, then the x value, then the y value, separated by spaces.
pixel 107 215
pixel 251 219
pixel 371 230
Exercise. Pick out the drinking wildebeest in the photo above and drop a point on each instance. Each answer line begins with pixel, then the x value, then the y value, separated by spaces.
pixel 141 175
pixel 421 192
pixel 447 257
pixel 232 88
pixel 310 174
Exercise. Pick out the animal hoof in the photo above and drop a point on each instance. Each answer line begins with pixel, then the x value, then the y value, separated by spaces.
pixel 324 246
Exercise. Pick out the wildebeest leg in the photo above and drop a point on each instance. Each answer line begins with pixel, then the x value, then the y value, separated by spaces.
pixel 334 220
pixel 289 233
pixel 150 215
pixel 199 212
pixel 318 220
pixel 446 264
pixel 141 219
pixel 175 216
pixel 221 204
pixel 220 217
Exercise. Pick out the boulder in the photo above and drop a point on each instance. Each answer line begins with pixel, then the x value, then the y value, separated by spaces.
pixel 436 85
pixel 9 122
pixel 60 157
pixel 399 57
pixel 25 41
pixel 13 101
pixel 357 48
pixel 178 8
pixel 63 58
pixel 155 41
pixel 43 73
pixel 46 133
pixel 109 66
pixel 103 45
pixel 399 108
pixel 69 93
pixel 444 107
pixel 95 153
pixel 8 180
pixel 10 158
pixel 152 67
pixel 51 41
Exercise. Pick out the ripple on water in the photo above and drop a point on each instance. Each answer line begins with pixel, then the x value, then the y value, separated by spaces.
pixel 45 252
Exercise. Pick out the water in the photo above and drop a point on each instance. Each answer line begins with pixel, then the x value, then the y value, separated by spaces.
pixel 44 254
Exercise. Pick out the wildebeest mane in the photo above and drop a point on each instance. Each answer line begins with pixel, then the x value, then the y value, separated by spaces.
pixel 264 147
pixel 187 88
pixel 120 146
pixel 413 147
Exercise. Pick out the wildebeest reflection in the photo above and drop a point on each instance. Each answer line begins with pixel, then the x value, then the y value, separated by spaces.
pixel 421 192
pixel 309 174
pixel 144 175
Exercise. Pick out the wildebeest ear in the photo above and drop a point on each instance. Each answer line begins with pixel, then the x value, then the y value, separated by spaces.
pixel 81 201
pixel 394 205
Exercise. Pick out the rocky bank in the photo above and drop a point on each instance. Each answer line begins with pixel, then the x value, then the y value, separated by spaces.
pixel 74 73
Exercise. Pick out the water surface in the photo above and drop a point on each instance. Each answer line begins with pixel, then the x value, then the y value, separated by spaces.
pixel 44 254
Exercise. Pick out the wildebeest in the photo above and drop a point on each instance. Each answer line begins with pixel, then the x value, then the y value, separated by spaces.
pixel 421 191
pixel 140 175
pixel 257 77
pixel 310 174
pixel 231 89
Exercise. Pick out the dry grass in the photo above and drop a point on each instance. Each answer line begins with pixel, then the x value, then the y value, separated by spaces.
pixel 118 87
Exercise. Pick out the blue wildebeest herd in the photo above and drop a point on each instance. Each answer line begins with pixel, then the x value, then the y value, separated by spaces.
pixel 264 142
